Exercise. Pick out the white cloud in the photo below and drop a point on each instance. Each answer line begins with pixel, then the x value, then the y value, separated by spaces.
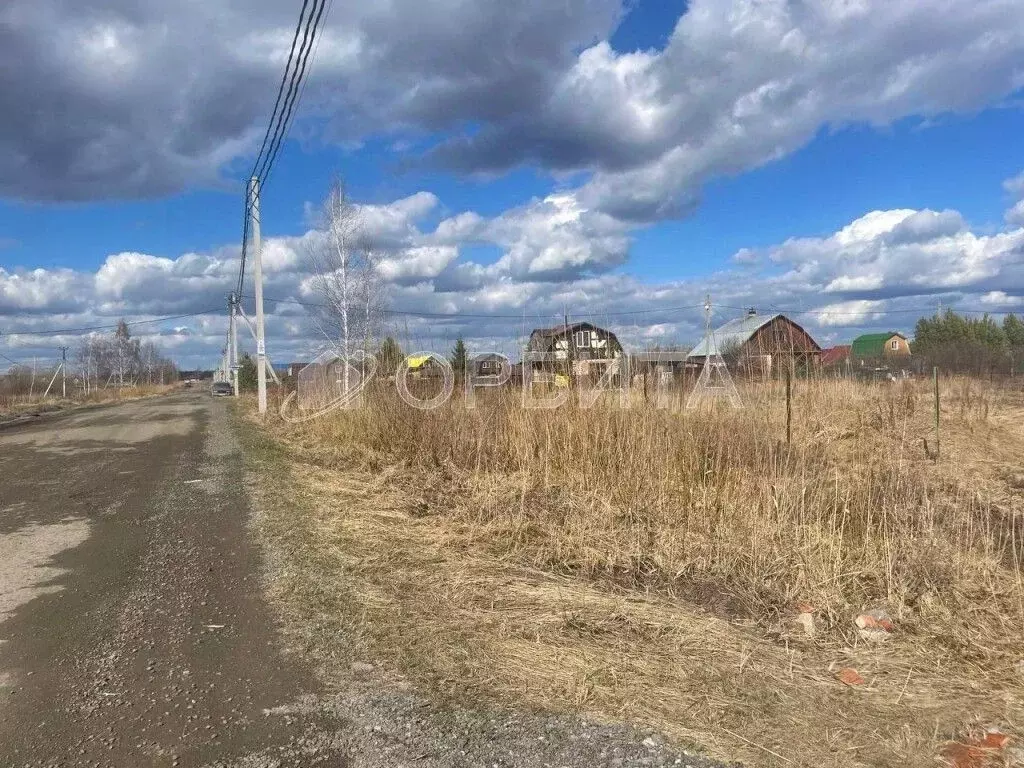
pixel 847 313
pixel 902 252
pixel 877 271
pixel 739 83
pixel 1015 215
pixel 1001 300
pixel 417 264
pixel 743 82
pixel 1015 186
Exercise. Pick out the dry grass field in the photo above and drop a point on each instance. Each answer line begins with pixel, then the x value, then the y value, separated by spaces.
pixel 650 565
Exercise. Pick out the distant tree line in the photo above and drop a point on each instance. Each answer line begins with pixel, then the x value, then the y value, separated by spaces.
pixel 970 344
pixel 121 360
pixel 115 360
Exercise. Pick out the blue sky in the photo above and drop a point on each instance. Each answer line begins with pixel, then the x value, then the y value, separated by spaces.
pixel 602 155
pixel 956 162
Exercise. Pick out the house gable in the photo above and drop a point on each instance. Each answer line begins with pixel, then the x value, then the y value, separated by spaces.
pixel 584 340
pixel 755 334
pixel 874 345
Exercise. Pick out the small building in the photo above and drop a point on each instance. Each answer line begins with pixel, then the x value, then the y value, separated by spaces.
pixel 583 348
pixel 880 346
pixel 423 366
pixel 661 364
pixel 756 343
pixel 290 369
pixel 489 364
pixel 836 356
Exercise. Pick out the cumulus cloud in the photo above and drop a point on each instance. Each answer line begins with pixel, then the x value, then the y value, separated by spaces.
pixel 904 252
pixel 136 98
pixel 141 98
pixel 417 264
pixel 879 271
pixel 743 82
pixel 1015 186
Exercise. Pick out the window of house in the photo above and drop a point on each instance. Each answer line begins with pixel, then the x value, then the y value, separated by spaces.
pixel 581 338
pixel 894 344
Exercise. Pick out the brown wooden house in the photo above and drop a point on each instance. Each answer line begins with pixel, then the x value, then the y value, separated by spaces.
pixel 583 349
pixel 757 344
pixel 489 364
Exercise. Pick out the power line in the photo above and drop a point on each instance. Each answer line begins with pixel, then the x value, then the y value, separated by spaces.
pixel 855 313
pixel 282 112
pixel 457 315
pixel 9 360
pixel 314 46
pixel 280 88
pixel 654 310
pixel 58 331
pixel 266 138
pixel 291 100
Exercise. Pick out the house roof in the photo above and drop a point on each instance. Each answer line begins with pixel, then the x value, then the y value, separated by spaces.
pixel 417 361
pixel 558 330
pixel 873 344
pixel 734 333
pixel 835 354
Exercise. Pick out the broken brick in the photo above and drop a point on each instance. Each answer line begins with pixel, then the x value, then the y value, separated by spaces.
pixel 850 677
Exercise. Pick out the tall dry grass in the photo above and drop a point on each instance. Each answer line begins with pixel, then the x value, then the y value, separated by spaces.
pixel 714 505
pixel 646 563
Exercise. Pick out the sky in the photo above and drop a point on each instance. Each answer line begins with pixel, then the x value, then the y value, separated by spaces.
pixel 852 163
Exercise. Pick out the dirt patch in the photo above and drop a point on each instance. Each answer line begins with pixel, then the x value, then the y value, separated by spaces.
pixel 26 568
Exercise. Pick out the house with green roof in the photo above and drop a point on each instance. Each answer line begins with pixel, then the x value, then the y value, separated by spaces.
pixel 880 346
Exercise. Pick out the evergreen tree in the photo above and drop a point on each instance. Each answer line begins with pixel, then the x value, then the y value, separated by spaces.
pixel 247 376
pixel 389 356
pixel 960 343
pixel 459 358
pixel 1013 329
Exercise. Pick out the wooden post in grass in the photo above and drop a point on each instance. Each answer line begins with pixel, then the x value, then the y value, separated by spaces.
pixel 789 405
pixel 935 378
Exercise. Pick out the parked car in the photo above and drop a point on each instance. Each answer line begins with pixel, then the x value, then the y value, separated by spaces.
pixel 222 388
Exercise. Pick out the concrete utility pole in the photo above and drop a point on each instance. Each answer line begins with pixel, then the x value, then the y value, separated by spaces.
pixel 64 372
pixel 233 342
pixel 257 276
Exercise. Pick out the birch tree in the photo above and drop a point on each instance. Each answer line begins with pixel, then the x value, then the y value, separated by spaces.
pixel 343 264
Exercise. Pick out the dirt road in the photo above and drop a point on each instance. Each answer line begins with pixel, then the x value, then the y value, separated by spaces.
pixel 132 632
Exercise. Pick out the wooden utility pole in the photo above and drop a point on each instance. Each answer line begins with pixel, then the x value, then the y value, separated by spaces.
pixel 789 405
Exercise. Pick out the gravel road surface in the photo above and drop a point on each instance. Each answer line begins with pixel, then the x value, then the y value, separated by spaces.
pixel 133 630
